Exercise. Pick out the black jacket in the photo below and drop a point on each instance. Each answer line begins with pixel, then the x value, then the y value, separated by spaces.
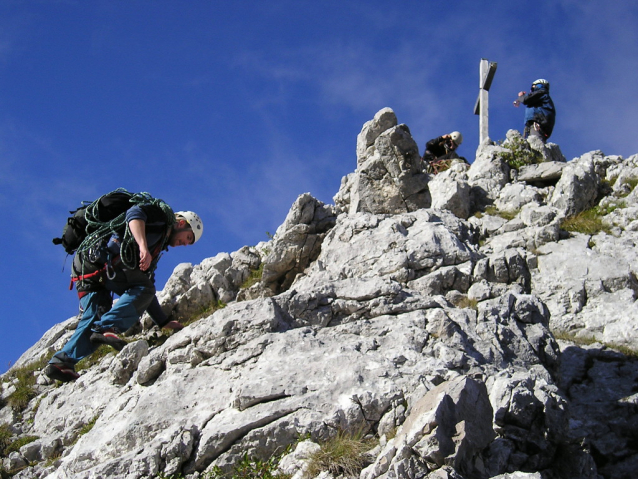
pixel 436 148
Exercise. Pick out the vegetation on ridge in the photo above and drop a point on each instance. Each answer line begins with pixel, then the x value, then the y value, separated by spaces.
pixel 255 277
pixel 520 153
pixel 343 454
pixel 94 358
pixel 24 379
pixel 588 222
pixel 9 445
pixel 247 468
pixel 506 215
pixel 205 311
pixel 589 340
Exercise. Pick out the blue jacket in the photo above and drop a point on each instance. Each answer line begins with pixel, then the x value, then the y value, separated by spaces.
pixel 156 228
pixel 540 109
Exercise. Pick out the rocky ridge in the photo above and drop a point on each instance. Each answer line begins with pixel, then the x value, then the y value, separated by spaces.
pixel 421 310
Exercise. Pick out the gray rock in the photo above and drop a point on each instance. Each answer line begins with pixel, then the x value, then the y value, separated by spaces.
pixel 296 462
pixel 577 188
pixel 506 267
pixel 599 380
pixel 297 242
pixel 125 364
pixel 382 121
pixel 487 175
pixel 41 449
pixel 479 291
pixel 519 475
pixel 515 196
pixel 550 171
pixel 590 292
pixel 450 191
pixel 534 214
pixel 15 462
pixel 550 152
pixel 194 289
pixel 389 178
pixel 447 426
pixel 400 247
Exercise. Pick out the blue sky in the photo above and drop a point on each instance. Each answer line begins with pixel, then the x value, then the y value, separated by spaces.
pixel 233 109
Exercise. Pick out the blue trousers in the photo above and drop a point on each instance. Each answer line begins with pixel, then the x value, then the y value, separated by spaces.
pixel 135 290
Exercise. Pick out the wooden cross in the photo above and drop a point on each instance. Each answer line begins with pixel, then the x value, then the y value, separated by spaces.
pixel 486 75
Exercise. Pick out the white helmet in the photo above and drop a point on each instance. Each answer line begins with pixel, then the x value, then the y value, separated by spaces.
pixel 456 137
pixel 194 221
pixel 541 81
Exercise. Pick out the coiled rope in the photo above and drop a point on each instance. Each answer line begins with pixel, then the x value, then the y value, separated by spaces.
pixel 103 230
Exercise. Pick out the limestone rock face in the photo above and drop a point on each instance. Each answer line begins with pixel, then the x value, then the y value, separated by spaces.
pixel 615 377
pixel 192 289
pixel 450 191
pixel 419 311
pixel 449 425
pixel 487 175
pixel 389 178
pixel 515 196
pixel 382 121
pixel 541 172
pixel 402 247
pixel 297 242
pixel 577 189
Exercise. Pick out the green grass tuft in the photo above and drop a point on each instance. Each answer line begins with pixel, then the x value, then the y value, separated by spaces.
pixel 5 437
pixel 506 215
pixel 18 443
pixel 20 398
pixel 88 426
pixel 589 340
pixel 91 360
pixel 255 277
pixel 467 303
pixel 344 454
pixel 7 446
pixel 520 153
pixel 205 311
pixel 631 182
pixel 25 379
pixel 587 222
pixel 251 468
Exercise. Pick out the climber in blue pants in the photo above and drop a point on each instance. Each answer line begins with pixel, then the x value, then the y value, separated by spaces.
pixel 101 271
pixel 540 112
pixel 135 291
pixel 93 305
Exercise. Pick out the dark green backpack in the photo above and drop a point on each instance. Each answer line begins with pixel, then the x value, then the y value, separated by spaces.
pixel 88 217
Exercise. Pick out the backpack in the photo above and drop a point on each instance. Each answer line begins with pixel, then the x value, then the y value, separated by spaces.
pixel 89 217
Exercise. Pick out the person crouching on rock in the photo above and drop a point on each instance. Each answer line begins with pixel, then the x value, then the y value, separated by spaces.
pixel 150 229
pixel 440 149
